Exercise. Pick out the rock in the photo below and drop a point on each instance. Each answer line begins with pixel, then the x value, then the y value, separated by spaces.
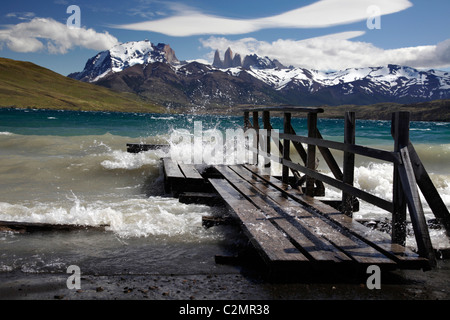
pixel 228 59
pixel 217 61
pixel 237 61
pixel 169 53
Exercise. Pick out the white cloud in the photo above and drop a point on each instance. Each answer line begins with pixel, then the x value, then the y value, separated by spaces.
pixel 21 15
pixel 335 52
pixel 40 34
pixel 323 13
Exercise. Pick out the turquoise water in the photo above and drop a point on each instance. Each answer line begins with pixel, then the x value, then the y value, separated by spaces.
pixel 72 167
pixel 135 125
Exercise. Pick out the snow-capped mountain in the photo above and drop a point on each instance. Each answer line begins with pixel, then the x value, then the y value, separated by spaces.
pixel 123 56
pixel 392 80
pixel 254 79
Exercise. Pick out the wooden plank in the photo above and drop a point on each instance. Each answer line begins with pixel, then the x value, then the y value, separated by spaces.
pixel 299 147
pixel 247 123
pixel 402 255
pixel 273 246
pixel 295 173
pixel 171 169
pixel 382 203
pixel 22 227
pixel 315 246
pixel 329 159
pixel 136 148
pixel 331 240
pixel 349 163
pixel 210 199
pixel 268 127
pixel 256 141
pixel 190 172
pixel 286 146
pixel 311 153
pixel 173 177
pixel 400 130
pixel 226 172
pixel 313 249
pixel 416 213
pixel 423 180
pixel 389 156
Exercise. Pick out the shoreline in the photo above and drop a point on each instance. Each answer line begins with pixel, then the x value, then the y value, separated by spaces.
pixel 239 286
pixel 432 111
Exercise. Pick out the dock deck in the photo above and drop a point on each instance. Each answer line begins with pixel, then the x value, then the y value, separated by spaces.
pixel 286 223
pixel 291 230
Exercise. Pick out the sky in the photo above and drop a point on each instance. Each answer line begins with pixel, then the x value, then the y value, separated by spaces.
pixel 327 35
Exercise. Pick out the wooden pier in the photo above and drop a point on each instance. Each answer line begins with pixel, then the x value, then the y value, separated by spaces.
pixel 288 225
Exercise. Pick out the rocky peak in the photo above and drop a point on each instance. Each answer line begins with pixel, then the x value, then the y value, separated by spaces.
pixel 248 61
pixel 237 61
pixel 123 56
pixel 217 61
pixel 228 59
pixel 169 53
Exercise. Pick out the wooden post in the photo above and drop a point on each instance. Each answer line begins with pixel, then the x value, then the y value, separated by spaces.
pixel 268 127
pixel 409 185
pixel 329 159
pixel 286 146
pixel 349 163
pixel 256 143
pixel 400 129
pixel 427 187
pixel 299 147
pixel 311 152
pixel 247 124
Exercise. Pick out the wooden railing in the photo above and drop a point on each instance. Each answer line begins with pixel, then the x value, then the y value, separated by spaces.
pixel 408 173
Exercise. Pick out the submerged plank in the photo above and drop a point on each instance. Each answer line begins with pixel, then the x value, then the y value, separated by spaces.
pixel 136 147
pixel 23 227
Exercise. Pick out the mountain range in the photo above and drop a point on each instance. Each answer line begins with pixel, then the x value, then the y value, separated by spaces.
pixel 154 73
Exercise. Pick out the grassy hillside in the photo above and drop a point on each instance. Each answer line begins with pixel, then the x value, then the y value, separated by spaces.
pixel 24 84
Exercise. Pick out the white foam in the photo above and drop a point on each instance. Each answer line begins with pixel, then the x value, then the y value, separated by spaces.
pixel 138 217
pixel 129 161
pixel 162 118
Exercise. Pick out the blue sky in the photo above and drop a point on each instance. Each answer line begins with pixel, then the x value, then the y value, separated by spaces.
pixel 317 34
